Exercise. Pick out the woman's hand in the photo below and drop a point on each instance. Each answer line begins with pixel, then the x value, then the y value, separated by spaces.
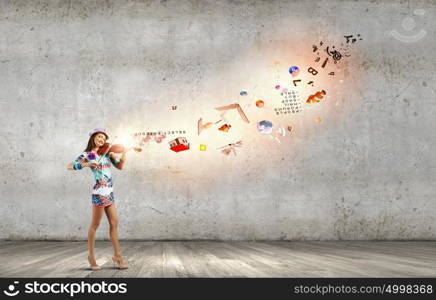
pixel 83 164
pixel 126 149
pixel 91 164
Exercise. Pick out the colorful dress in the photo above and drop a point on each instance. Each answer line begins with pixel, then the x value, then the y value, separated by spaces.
pixel 102 194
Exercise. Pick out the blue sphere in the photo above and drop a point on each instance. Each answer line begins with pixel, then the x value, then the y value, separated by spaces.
pixel 294 70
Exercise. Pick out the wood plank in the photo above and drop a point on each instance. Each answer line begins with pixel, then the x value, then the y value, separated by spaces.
pixel 152 262
pixel 222 259
pixel 171 263
pixel 32 262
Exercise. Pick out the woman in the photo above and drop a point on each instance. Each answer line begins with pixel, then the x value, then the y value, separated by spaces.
pixel 102 195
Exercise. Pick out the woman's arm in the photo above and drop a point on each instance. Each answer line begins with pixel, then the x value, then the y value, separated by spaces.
pixel 115 161
pixel 74 166
pixel 122 160
pixel 118 163
pixel 80 163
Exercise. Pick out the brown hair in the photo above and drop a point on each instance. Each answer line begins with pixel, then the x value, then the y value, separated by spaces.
pixel 91 144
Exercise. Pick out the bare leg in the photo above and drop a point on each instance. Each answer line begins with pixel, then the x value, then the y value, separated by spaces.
pixel 112 217
pixel 97 213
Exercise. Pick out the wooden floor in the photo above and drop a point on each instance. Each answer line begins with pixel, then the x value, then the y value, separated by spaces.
pixel 222 259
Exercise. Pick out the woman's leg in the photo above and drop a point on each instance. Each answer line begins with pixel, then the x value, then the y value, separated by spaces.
pixel 97 213
pixel 112 217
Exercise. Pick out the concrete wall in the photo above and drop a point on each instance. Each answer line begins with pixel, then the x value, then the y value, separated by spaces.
pixel 366 171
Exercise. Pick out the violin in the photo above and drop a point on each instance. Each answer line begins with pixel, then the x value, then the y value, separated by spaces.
pixel 116 148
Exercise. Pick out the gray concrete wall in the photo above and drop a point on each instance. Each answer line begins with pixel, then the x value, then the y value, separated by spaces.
pixel 366 171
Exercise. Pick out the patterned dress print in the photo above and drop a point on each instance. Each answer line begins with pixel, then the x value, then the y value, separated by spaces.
pixel 102 193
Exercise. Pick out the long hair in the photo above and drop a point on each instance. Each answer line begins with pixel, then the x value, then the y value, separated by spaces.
pixel 91 144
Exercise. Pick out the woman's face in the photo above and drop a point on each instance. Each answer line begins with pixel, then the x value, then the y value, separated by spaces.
pixel 99 140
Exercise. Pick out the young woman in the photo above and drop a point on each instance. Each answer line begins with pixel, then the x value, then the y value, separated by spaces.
pixel 102 195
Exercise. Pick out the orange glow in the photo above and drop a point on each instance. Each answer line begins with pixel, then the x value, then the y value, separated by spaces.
pixel 261 71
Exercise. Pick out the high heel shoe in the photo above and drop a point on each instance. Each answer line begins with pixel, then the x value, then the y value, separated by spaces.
pixel 93 265
pixel 118 261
